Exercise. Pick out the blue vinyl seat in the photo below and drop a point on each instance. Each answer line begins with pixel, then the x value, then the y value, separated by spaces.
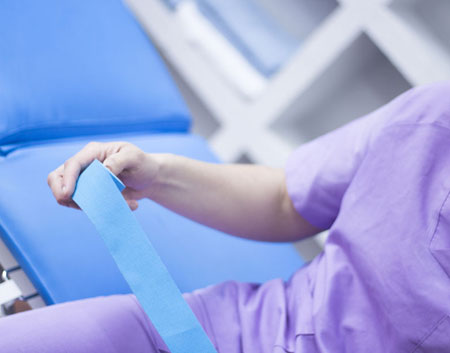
pixel 75 71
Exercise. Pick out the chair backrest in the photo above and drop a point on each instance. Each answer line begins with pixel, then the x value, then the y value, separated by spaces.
pixel 72 68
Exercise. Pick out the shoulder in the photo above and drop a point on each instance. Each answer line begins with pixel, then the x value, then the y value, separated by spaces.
pixel 428 104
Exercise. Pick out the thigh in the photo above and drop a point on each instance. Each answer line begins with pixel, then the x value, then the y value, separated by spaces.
pixel 101 325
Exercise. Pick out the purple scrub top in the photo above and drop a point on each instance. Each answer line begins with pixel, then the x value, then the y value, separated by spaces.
pixel 380 185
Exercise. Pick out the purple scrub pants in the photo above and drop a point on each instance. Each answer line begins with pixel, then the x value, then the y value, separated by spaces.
pixel 100 325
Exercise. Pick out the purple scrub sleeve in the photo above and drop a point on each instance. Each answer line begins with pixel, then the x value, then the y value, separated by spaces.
pixel 319 172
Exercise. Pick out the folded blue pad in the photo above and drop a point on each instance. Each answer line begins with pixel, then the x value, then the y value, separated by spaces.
pixel 252 31
pixel 80 68
pixel 60 251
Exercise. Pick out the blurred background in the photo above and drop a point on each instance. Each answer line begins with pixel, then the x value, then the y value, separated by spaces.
pixel 262 77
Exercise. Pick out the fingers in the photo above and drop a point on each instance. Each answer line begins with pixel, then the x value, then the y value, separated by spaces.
pixel 55 181
pixel 73 166
pixel 116 156
pixel 62 180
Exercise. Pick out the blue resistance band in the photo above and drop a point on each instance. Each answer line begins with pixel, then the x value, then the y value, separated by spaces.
pixel 98 193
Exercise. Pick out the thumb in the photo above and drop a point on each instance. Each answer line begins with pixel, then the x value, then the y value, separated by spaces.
pixel 133 204
pixel 131 194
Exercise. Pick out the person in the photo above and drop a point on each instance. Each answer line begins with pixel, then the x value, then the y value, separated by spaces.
pixel 379 184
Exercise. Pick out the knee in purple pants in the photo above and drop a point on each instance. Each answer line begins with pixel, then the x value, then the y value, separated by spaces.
pixel 99 325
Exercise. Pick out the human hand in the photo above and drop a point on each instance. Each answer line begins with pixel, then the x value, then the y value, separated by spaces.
pixel 134 167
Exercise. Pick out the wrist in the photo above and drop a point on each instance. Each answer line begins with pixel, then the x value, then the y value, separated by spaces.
pixel 160 164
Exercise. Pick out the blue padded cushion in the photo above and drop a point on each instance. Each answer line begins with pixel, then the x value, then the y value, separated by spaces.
pixel 71 68
pixel 66 259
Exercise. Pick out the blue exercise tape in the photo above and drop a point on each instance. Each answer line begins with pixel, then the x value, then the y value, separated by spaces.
pixel 98 193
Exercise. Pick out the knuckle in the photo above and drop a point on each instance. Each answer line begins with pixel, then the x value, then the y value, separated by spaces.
pixel 127 146
pixel 68 162
pixel 71 162
pixel 92 147
pixel 50 178
pixel 92 144
pixel 111 160
pixel 140 156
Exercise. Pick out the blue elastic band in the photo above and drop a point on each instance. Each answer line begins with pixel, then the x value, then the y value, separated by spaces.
pixel 98 193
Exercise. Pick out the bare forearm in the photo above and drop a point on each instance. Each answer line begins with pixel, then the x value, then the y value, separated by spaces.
pixel 244 200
